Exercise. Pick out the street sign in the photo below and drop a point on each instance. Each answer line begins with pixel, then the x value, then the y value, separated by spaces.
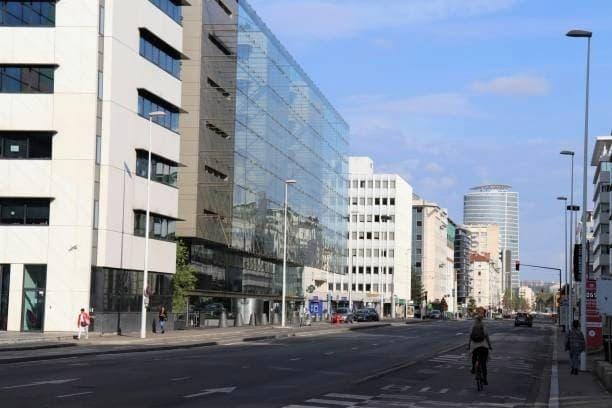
pixel 593 318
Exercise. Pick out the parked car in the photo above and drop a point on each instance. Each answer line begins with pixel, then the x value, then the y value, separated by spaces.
pixel 497 316
pixel 523 319
pixel 366 315
pixel 435 314
pixel 343 315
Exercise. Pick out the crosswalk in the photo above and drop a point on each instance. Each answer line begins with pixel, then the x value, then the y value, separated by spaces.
pixel 463 361
pixel 423 398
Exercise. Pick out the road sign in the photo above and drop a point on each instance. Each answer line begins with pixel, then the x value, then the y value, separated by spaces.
pixel 593 318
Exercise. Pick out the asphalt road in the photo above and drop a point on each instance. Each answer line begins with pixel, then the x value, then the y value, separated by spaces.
pixel 422 365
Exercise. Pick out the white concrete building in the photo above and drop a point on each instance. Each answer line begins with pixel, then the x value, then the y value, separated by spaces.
pixel 433 257
pixel 488 277
pixel 380 211
pixel 600 249
pixel 527 293
pixel 78 79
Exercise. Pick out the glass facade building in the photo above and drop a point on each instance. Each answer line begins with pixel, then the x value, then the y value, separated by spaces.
pixel 497 204
pixel 262 121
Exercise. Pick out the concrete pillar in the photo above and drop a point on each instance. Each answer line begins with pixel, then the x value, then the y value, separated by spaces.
pixel 223 320
pixel 252 320
pixel 275 319
pixel 15 298
pixel 238 320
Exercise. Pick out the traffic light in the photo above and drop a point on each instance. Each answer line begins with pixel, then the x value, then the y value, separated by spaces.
pixel 517 266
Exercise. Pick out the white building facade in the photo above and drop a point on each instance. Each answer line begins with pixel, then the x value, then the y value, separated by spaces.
pixel 78 79
pixel 488 277
pixel 379 245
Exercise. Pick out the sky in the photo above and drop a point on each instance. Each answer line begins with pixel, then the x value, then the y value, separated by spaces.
pixel 451 94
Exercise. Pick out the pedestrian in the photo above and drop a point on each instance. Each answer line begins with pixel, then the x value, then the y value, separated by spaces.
pixel 575 344
pixel 83 321
pixel 162 317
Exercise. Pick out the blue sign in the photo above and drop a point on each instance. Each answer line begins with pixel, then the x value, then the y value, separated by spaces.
pixel 315 307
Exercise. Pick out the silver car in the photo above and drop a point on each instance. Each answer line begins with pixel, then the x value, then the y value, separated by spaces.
pixel 345 315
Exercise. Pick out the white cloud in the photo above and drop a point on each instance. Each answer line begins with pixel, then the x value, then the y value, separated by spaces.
pixel 513 85
pixel 327 19
pixel 433 167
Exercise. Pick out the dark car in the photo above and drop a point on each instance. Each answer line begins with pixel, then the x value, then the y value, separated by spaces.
pixel 366 315
pixel 523 319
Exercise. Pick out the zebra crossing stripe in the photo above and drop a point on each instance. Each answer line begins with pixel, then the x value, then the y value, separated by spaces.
pixel 349 396
pixel 331 402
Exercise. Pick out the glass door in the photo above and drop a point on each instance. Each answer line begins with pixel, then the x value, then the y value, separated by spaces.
pixel 34 286
pixel 5 279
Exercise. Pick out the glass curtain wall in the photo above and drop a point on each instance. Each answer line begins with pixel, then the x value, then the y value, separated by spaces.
pixel 5 279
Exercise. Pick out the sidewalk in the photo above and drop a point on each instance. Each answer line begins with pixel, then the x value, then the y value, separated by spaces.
pixel 583 390
pixel 14 347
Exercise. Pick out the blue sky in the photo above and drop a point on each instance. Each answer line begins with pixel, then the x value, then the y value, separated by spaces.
pixel 456 93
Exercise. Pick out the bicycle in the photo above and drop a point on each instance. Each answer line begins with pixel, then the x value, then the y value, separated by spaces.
pixel 479 377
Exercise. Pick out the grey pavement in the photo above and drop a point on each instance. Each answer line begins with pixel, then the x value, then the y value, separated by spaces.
pixel 583 390
pixel 395 366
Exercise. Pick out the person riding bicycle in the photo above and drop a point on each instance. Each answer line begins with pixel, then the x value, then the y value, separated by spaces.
pixel 478 342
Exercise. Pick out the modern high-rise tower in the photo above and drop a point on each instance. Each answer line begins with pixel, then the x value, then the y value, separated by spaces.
pixel 497 204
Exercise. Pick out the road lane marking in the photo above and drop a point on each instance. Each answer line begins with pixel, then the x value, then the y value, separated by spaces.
pixel 77 394
pixel 331 402
pixel 553 399
pixel 36 383
pixel 295 359
pixel 303 406
pixel 424 389
pixel 443 390
pixel 329 353
pixel 179 378
pixel 349 396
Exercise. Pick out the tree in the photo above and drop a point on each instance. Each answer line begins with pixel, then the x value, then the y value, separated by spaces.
pixel 471 307
pixel 184 279
pixel 417 289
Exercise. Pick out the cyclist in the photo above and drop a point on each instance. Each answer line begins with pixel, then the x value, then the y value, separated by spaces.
pixel 479 345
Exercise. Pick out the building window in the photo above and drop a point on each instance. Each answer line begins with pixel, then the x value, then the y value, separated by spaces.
pixel 354 200
pixel 383 235
pixel 353 287
pixel 377 218
pixel 390 270
pixel 224 7
pixel 218 88
pixel 171 8
pixel 25 145
pixel 369 218
pixel 354 251
pixel 419 210
pixel 384 201
pixel 368 235
pixel 160 227
pixel 370 184
pixel 361 269
pixel 419 237
pixel 24 211
pixel 215 173
pixel 361 235
pixel 376 253
pixel 217 130
pixel 391 236
pixel 38 13
pixel 219 44
pixel 345 287
pixel 354 269
pixel 361 253
pixel 360 286
pixel 391 253
pixel 368 252
pixel 368 270
pixel 419 223
pixel 368 287
pixel 370 200
pixel 330 286
pixel 159 53
pixel 354 235
pixel 362 183
pixel 419 251
pixel 377 201
pixel 164 171
pixel 392 183
pixel 385 184
pixel 362 201
pixel 392 201
pixel 26 79
pixel 338 286
pixel 377 184
pixel 354 218
pixel 376 270
pixel 355 184
pixel 147 103
pixel 417 264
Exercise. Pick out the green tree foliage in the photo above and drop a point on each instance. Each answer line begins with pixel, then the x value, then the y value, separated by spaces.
pixel 184 280
pixel 471 307
pixel 417 290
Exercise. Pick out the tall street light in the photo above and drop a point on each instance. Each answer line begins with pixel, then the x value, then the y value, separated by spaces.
pixel 564 199
pixel 587 35
pixel 572 230
pixel 283 311
pixel 145 278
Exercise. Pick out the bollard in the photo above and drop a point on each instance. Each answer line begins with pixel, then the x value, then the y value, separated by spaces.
pixel 275 319
pixel 252 320
pixel 264 319
pixel 238 320
pixel 223 320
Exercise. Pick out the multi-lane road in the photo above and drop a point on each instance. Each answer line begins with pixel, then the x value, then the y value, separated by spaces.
pixel 420 365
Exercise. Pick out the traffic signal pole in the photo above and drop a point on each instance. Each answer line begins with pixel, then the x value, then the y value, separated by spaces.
pixel 518 264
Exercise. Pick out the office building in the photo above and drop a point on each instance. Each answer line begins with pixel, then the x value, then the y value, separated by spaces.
pixel 432 258
pixel 379 242
pixel 600 248
pixel 499 205
pixel 255 121
pixel 463 267
pixel 78 79
pixel 486 265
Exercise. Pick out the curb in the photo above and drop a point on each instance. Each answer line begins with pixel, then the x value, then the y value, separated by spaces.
pixel 373 326
pixel 35 347
pixel 136 349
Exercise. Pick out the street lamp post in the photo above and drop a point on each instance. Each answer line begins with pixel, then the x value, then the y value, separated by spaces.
pixel 571 237
pixel 145 278
pixel 587 35
pixel 564 199
pixel 283 311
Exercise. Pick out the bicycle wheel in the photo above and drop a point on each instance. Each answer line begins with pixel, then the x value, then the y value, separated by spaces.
pixel 479 380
